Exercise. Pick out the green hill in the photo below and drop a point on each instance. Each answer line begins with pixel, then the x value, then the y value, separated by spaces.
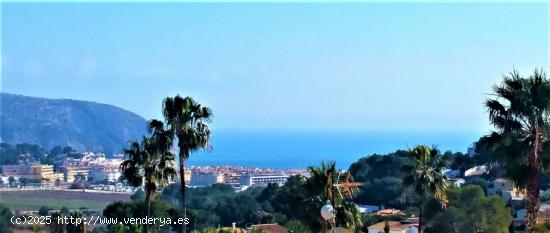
pixel 82 125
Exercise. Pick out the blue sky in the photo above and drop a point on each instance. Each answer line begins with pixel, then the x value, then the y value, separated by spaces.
pixel 278 66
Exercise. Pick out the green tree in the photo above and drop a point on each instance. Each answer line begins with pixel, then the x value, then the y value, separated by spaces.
pixel 64 211
pixel 43 211
pixel 55 226
pixel 138 195
pixel 296 226
pixel 151 161
pixel 11 180
pixel 520 113
pixel 381 177
pixel 74 227
pixel 187 120
pixel 425 177
pixel 322 188
pixel 469 210
pixel 23 181
pixel 36 228
pixel 5 218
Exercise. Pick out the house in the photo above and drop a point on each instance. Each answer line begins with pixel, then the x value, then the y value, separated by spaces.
pixel 544 214
pixel 457 182
pixel 505 189
pixel 390 212
pixel 476 171
pixel 450 173
pixel 270 228
pixel 368 209
pixel 395 227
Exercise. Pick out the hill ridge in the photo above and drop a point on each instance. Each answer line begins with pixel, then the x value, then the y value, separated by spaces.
pixel 81 124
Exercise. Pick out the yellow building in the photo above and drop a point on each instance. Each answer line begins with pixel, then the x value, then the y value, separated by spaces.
pixel 187 176
pixel 206 178
pixel 44 173
pixel 73 171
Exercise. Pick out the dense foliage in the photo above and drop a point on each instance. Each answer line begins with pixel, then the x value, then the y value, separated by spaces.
pixel 469 210
pixel 5 215
pixel 520 112
pixel 25 152
pixel 381 172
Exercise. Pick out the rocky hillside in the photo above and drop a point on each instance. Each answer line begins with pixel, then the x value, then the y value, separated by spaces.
pixel 82 125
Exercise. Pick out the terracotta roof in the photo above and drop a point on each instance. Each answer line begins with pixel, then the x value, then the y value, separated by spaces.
pixel 394 226
pixel 390 212
pixel 271 228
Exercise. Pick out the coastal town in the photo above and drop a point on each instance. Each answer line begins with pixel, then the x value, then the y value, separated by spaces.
pixel 207 117
pixel 95 171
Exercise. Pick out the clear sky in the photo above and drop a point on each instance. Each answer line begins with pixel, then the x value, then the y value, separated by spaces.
pixel 290 66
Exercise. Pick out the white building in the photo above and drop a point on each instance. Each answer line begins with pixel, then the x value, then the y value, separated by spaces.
pixel 476 171
pixel 264 180
pixel 450 173
pixel 457 182
pixel 368 209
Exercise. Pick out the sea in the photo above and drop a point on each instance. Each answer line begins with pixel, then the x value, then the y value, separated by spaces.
pixel 285 149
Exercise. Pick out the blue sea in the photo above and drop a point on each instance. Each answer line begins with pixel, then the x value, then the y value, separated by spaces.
pixel 300 149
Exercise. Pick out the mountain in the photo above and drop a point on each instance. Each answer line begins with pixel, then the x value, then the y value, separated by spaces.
pixel 83 125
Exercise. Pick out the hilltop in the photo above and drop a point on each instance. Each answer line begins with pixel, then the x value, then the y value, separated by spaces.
pixel 83 125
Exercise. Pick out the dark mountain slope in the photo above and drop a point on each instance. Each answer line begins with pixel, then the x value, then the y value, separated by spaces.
pixel 82 125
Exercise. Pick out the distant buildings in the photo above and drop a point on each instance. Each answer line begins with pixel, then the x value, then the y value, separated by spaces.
pixel 239 178
pixel 91 167
pixel 368 209
pixel 450 173
pixel 457 182
pixel 503 188
pixel 253 180
pixel 233 179
pixel 390 212
pixel 205 178
pixel 472 150
pixel 476 171
pixel 97 169
pixel 34 173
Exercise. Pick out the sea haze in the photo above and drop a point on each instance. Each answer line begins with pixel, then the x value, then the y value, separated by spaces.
pixel 299 149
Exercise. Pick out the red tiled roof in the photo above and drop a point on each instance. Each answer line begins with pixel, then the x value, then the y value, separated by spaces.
pixel 394 226
pixel 271 228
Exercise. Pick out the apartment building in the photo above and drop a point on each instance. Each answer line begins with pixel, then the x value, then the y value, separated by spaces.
pixel 259 180
pixel 206 178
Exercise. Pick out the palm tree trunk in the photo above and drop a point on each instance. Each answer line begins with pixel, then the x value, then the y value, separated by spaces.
pixel 421 213
pixel 148 203
pixel 183 202
pixel 533 187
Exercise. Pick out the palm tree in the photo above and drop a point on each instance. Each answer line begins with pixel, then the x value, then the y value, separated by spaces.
pixel 186 119
pixel 425 176
pixel 520 113
pixel 387 227
pixel 322 187
pixel 151 161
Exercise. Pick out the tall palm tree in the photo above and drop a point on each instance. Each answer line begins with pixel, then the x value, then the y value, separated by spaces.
pixel 186 119
pixel 323 187
pixel 150 161
pixel 426 177
pixel 520 113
